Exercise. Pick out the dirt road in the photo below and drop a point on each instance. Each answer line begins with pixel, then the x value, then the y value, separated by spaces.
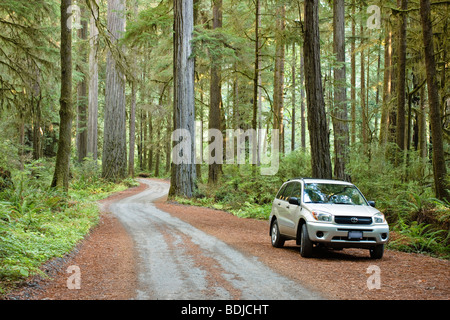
pixel 180 262
pixel 153 249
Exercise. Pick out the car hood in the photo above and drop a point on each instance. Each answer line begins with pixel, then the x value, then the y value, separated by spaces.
pixel 342 209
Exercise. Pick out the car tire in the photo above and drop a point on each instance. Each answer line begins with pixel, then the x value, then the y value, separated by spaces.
pixel 377 252
pixel 276 238
pixel 306 245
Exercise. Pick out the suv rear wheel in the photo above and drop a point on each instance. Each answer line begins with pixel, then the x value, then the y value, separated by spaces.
pixel 277 240
pixel 306 245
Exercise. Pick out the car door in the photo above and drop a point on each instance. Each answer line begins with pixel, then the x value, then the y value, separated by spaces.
pixel 293 210
pixel 276 203
pixel 284 222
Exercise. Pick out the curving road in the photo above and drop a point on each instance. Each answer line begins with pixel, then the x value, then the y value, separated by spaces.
pixel 179 262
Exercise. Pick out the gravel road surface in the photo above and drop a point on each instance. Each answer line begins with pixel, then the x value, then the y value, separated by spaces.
pixel 180 262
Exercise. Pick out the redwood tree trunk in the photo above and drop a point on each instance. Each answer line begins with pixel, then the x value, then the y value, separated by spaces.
pixel 183 176
pixel 317 121
pixel 82 133
pixel 115 141
pixel 401 80
pixel 341 134
pixel 93 89
pixel 384 122
pixel 61 175
pixel 353 74
pixel 215 105
pixel 439 168
pixel 278 84
pixel 365 123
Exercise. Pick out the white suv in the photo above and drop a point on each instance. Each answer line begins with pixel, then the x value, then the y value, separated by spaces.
pixel 326 212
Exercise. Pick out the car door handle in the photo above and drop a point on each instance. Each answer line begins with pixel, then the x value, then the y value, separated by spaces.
pixel 287 207
pixel 279 203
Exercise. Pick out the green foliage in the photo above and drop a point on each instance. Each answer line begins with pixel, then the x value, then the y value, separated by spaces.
pixel 419 222
pixel 38 223
pixel 244 192
pixel 421 238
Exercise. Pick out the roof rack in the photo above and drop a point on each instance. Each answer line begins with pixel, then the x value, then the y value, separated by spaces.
pixel 298 178
pixel 302 178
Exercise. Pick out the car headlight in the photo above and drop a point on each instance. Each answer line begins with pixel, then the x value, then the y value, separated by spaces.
pixel 378 218
pixel 322 216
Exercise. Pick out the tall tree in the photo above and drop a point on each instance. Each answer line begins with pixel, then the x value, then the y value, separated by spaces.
pixel 114 163
pixel 317 121
pixel 132 128
pixel 401 78
pixel 257 74
pixel 182 181
pixel 364 118
pixel 353 74
pixel 82 133
pixel 278 82
pixel 439 168
pixel 387 85
pixel 294 65
pixel 302 101
pixel 61 175
pixel 340 125
pixel 92 125
pixel 215 104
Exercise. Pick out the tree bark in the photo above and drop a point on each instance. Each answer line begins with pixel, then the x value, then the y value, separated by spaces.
pixel 278 83
pixel 132 128
pixel 340 125
pixel 114 164
pixel 302 102
pixel 422 124
pixel 82 133
pixel 317 122
pixel 61 175
pixel 364 122
pixel 439 168
pixel 384 122
pixel 401 79
pixel 353 74
pixel 132 132
pixel 92 143
pixel 256 77
pixel 183 174
pixel 294 58
pixel 215 106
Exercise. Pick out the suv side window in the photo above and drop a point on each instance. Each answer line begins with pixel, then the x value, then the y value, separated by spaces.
pixel 287 191
pixel 280 193
pixel 297 191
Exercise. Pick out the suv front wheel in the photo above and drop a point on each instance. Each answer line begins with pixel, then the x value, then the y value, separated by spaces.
pixel 377 252
pixel 306 245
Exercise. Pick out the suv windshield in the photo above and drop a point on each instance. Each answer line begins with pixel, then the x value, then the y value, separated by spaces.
pixel 333 194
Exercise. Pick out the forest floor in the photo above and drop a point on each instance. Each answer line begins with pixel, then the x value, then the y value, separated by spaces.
pixel 108 260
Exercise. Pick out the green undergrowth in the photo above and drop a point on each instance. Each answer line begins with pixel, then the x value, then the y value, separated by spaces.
pixel 38 223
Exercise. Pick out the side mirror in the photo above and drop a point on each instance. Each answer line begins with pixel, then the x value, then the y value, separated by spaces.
pixel 371 203
pixel 294 200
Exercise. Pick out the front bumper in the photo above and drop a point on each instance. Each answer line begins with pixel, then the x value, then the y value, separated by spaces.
pixel 336 235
